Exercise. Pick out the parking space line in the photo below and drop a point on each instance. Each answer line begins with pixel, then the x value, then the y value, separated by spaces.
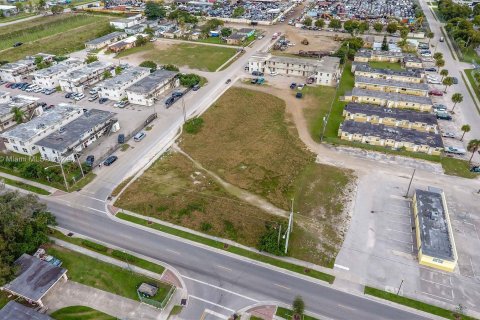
pixel 409 233
pixel 439 297
pixel 448 286
pixel 409 243
pixel 399 214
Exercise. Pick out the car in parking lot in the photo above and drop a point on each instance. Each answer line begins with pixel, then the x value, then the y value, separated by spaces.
pixel 448 135
pixel 37 90
pixel 439 107
pixel 257 73
pixel 196 87
pixel 293 85
pixel 434 81
pixel 443 116
pixel 78 97
pixel 177 94
pixel 139 136
pixel 102 100
pixel 435 92
pixel 110 160
pixel 455 80
pixel 68 95
pixel 121 138
pixel 93 98
pixel 123 104
pixel 89 161
pixel 455 150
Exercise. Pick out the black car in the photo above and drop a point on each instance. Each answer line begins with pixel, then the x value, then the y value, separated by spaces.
pixel 455 80
pixel 475 169
pixel 89 161
pixel 110 160
pixel 68 95
pixel 177 94
pixel 228 81
pixel 121 138
pixel 431 69
pixel 102 100
pixel 17 44
pixel 169 101
pixel 195 87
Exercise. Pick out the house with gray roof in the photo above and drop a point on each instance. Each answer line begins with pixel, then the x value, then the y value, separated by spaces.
pixel 149 89
pixel 390 85
pixel 77 80
pixel 26 104
pixel 105 40
pixel 16 311
pixel 19 70
pixel 49 77
pixel 114 88
pixel 407 75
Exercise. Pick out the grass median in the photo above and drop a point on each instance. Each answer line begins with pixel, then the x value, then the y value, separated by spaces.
pixel 80 313
pixel 236 250
pixel 25 186
pixel 414 304
pixel 288 314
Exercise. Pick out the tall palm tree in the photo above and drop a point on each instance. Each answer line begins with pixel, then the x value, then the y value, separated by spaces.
pixel 439 63
pixel 444 73
pixel 447 82
pixel 438 56
pixel 18 115
pixel 430 36
pixel 473 146
pixel 465 128
pixel 456 98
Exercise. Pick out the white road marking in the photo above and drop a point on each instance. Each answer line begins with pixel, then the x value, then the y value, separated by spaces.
pixel 222 267
pixel 173 251
pixel 219 288
pixel 90 208
pixel 341 267
pixel 210 302
pixel 216 314
pixel 279 285
pixel 409 233
pixel 436 283
pixel 439 297
pixel 346 307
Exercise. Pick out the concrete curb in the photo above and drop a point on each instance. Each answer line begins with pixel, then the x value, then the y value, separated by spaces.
pixel 45 187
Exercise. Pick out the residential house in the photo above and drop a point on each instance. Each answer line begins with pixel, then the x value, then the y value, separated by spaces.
pixel 361 69
pixel 412 61
pixel 136 29
pixel 392 117
pixel 392 137
pixel 75 81
pixel 49 77
pixel 17 311
pixel 385 85
pixel 149 89
pixel 114 88
pixel 25 104
pixel 65 143
pixel 23 137
pixel 389 99
pixel 105 40
pixel 364 55
pixel 19 70
pixel 236 39
pixel 127 22
pixel 8 11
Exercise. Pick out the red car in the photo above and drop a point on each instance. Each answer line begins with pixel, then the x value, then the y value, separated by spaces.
pixel 8 85
pixel 437 93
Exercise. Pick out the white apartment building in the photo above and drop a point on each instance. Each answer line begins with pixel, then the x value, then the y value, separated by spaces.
pixel 75 81
pixel 18 71
pixel 22 138
pixel 105 40
pixel 49 77
pixel 26 104
pixel 149 89
pixel 63 144
pixel 114 88
pixel 325 71
pixel 127 22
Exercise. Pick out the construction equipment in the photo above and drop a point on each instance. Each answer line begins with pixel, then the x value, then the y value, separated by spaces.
pixel 305 41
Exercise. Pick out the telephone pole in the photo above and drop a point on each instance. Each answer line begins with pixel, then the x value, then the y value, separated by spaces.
pixel 410 184
pixel 289 229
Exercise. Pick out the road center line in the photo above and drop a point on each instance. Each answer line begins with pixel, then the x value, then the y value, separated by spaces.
pixel 173 251
pixel 219 288
pixel 212 303
pixel 279 285
pixel 222 267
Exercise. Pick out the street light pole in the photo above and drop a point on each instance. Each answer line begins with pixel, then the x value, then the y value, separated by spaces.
pixel 63 172
pixel 410 184
pixel 289 229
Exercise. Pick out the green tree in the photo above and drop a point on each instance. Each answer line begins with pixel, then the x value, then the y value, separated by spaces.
pixel 430 36
pixel 189 80
pixel 225 32
pixel 238 12
pixel 476 10
pixel 118 70
pixel 298 307
pixel 149 31
pixel 19 6
pixel 18 115
pixel 149 64
pixel 141 40
pixel 307 21
pixel 438 55
pixel 91 58
pixel 465 128
pixel 456 98
pixel 404 32
pixel 363 26
pixel 444 73
pixel 170 67
pixel 378 27
pixel 320 23
pixel 56 9
pixel 154 10
pixel 440 63
pixel 473 146
pixel 476 20
pixel 41 5
pixel 269 240
pixel 447 82
pixel 385 46
pixel 392 27
pixel 107 74
pixel 335 24
pixel 350 26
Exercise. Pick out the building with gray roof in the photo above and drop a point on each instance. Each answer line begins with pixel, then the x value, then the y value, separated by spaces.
pixel 105 40
pixel 23 137
pixel 149 89
pixel 16 311
pixel 76 135
pixel 77 80
pixel 49 77
pixel 393 137
pixel 407 75
pixel 114 88
pixel 390 85
pixel 435 243
pixel 17 71
pixel 34 279
pixel 25 104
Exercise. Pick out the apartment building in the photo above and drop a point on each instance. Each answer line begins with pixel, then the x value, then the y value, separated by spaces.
pixel 391 117
pixel 25 104
pixel 392 137
pixel 77 80
pixel 389 99
pixel 75 136
pixel 19 70
pixel 321 72
pixel 410 75
pixel 364 55
pixel 127 22
pixel 23 137
pixel 104 41
pixel 49 77
pixel 150 88
pixel 114 88
pixel 394 86
pixel 412 61
pixel 433 230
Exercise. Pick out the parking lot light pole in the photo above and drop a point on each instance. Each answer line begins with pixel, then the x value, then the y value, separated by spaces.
pixel 410 184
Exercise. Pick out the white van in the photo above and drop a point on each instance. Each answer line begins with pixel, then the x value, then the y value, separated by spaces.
pixel 139 136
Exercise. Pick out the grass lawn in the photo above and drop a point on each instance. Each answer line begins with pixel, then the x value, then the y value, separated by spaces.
pixel 19 16
pixel 103 276
pixel 24 186
pixel 288 314
pixel 3 299
pixel 220 245
pixel 56 35
pixel 116 254
pixel 195 56
pixel 476 89
pixel 317 102
pixel 215 40
pixel 385 65
pixel 80 313
pixel 470 55
pixel 119 187
pixel 413 303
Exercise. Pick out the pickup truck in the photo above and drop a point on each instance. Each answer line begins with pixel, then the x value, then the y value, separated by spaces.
pixel 455 150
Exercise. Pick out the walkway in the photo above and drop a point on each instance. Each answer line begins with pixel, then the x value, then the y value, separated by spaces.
pixel 50 189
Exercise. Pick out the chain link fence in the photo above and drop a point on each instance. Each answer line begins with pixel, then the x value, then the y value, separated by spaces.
pixel 156 303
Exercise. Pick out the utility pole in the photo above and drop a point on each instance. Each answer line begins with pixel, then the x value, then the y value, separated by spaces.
pixel 400 287
pixel 289 229
pixel 63 173
pixel 410 184
pixel 80 165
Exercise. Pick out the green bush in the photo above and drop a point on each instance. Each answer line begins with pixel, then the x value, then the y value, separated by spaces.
pixel 124 256
pixel 193 126
pixel 94 246
pixel 269 240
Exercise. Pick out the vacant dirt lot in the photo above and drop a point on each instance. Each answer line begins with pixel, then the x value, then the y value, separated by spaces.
pixel 317 42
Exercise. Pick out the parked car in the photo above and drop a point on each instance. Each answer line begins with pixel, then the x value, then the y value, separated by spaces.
pixel 8 85
pixel 93 91
pixel 139 136
pixel 17 44
pixel 102 100
pixel 93 98
pixel 177 94
pixel 434 81
pixel 443 116
pixel 293 85
pixel 475 169
pixel 37 90
pixel 169 101
pixel 68 95
pixel 455 80
pixel 448 135
pixel 455 150
pixel 196 87
pixel 439 107
pixel 442 39
pixel 79 97
pixel 110 160
pixel 274 73
pixel 89 161
pixel 257 73
pixel 122 104
pixel 229 80
pixel 436 93
pixel 299 95
pixel 121 138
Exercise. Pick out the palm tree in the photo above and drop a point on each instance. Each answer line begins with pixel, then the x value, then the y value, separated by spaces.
pixel 298 307
pixel 444 73
pixel 438 55
pixel 439 63
pixel 448 81
pixel 473 147
pixel 17 115
pixel 465 128
pixel 456 98
pixel 430 36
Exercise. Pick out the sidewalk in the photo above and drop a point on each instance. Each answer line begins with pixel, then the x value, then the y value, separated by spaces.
pixel 50 189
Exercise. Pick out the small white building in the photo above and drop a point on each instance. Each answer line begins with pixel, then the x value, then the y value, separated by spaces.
pixel 63 144
pixel 25 104
pixel 49 77
pixel 149 89
pixel 325 71
pixel 18 71
pixel 127 22
pixel 22 138
pixel 105 40
pixel 8 11
pixel 114 88
pixel 75 81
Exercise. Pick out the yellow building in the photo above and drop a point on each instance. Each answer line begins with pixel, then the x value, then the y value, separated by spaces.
pixel 363 69
pixel 413 88
pixel 364 55
pixel 389 99
pixel 412 61
pixel 391 117
pixel 435 243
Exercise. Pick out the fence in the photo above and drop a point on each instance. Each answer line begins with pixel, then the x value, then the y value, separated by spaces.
pixel 155 303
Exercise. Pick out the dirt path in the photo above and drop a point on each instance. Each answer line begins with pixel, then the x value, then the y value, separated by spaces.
pixel 244 195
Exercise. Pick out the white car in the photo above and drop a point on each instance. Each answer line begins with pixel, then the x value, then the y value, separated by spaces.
pixel 37 90
pixel 448 135
pixel 434 81
pixel 274 73
pixel 31 88
pixel 79 97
